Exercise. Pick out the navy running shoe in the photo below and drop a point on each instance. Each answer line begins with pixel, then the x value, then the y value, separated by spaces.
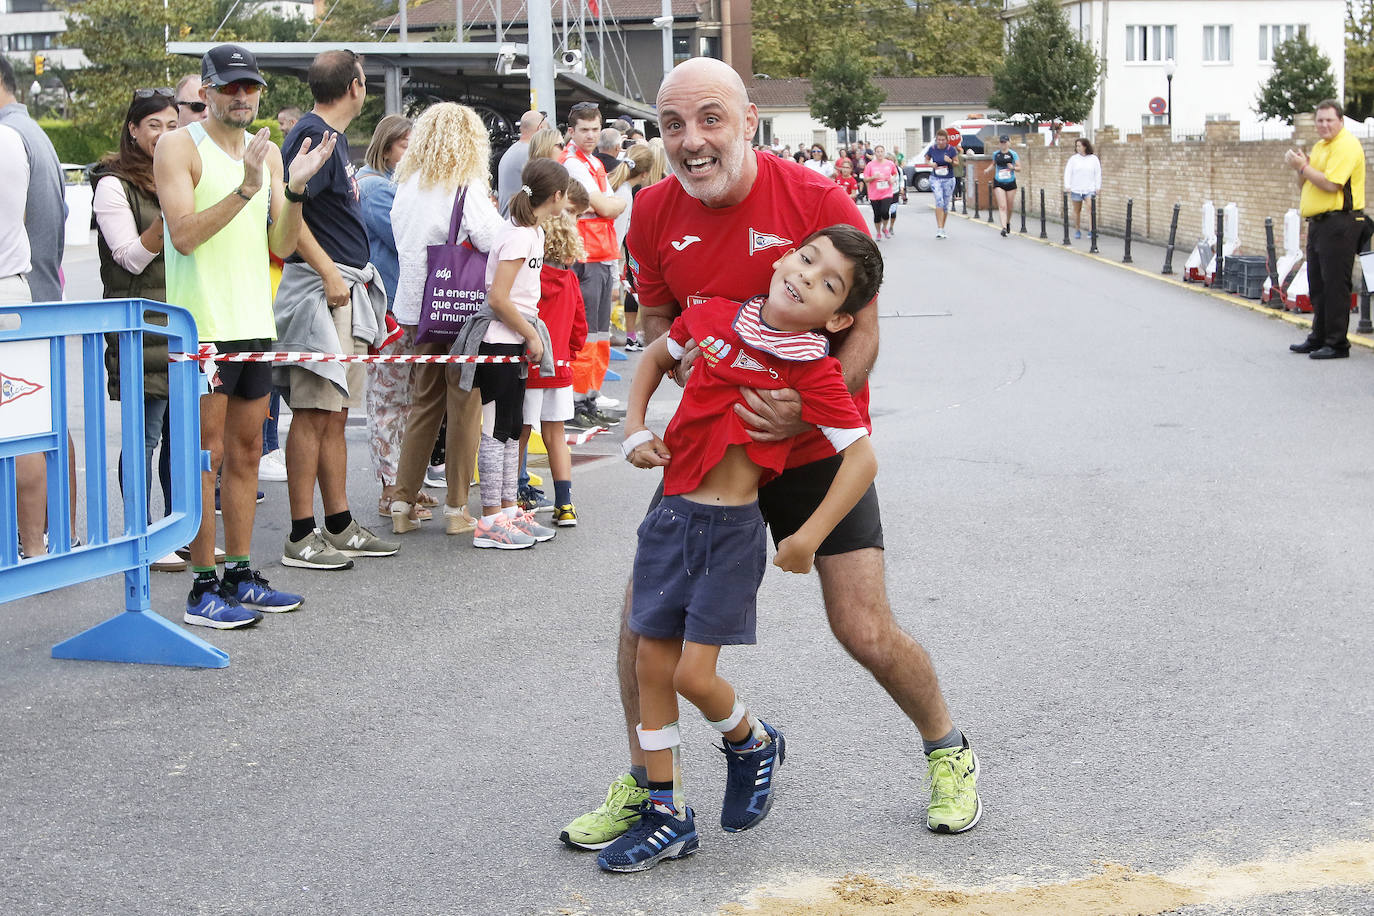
pixel 254 592
pixel 212 609
pixel 657 836
pixel 749 782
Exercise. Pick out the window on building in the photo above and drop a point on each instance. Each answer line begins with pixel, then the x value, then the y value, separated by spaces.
pixel 1147 119
pixel 764 137
pixel 1149 42
pixel 1218 116
pixel 1216 44
pixel 30 41
pixel 710 46
pixel 929 125
pixel 682 47
pixel 30 6
pixel 1271 36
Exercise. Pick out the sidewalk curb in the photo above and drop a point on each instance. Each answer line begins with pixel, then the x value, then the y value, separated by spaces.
pixel 1280 314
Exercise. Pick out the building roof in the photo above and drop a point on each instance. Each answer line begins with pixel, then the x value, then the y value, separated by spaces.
pixel 902 91
pixel 440 13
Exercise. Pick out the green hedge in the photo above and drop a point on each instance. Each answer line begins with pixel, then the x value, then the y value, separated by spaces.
pixel 270 124
pixel 74 144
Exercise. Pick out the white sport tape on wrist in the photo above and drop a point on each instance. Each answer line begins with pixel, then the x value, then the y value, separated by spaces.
pixel 634 441
pixel 737 713
pixel 667 738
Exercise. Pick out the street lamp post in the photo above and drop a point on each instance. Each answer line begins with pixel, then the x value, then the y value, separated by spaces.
pixel 1170 68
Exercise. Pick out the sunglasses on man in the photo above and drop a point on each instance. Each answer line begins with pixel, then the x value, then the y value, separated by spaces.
pixel 197 107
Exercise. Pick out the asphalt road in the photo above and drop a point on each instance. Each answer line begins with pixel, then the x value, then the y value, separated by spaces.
pixel 1127 523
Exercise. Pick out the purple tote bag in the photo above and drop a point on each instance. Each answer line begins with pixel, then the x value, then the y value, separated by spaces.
pixel 456 285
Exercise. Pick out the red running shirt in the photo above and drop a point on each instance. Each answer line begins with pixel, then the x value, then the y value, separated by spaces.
pixel 738 349
pixel 683 253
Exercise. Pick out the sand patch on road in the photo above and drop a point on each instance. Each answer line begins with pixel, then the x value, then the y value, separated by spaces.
pixel 1115 889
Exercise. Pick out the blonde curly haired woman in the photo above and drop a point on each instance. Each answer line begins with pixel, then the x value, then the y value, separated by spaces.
pixel 449 152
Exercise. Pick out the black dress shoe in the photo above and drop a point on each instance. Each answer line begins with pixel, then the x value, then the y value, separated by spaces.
pixel 1328 353
pixel 1306 346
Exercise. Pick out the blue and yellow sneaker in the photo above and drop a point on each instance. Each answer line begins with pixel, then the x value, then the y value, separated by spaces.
pixel 749 782
pixel 252 591
pixel 658 836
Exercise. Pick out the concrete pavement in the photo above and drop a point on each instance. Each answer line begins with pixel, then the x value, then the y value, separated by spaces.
pixel 1125 521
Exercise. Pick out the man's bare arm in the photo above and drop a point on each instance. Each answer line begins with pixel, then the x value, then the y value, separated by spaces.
pixel 654 322
pixel 174 162
pixel 335 289
pixel 286 216
pixel 859 350
pixel 607 206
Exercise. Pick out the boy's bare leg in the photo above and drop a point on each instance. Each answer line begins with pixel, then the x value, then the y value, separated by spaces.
pixel 656 673
pixel 556 444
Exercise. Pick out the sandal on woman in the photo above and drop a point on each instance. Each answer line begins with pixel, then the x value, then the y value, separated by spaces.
pixel 405 517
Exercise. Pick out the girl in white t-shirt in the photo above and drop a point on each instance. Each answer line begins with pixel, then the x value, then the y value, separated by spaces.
pixel 513 285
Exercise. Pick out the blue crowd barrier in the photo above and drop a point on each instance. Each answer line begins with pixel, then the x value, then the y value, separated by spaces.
pixel 33 419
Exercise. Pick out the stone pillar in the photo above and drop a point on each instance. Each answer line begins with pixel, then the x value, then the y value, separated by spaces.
pixel 1305 129
pixel 1157 133
pixel 1106 134
pixel 1222 131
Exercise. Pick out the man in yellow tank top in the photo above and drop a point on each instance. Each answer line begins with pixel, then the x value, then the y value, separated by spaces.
pixel 218 185
pixel 1332 184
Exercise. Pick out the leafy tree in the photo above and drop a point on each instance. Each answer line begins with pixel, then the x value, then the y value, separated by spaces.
pixel 842 96
pixel 1359 58
pixel 926 38
pixel 1301 78
pixel 1048 74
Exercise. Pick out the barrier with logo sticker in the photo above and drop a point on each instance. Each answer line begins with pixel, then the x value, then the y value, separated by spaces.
pixel 34 401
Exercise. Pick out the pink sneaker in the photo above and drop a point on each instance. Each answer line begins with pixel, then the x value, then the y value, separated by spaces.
pixel 498 532
pixel 524 522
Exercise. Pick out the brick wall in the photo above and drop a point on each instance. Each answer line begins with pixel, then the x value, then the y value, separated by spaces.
pixel 1157 173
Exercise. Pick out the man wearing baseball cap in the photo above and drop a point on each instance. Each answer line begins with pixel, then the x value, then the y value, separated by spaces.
pixel 218 185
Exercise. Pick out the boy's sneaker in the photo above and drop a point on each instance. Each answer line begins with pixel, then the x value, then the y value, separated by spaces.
pixel 954 804
pixel 211 609
pixel 357 541
pixel 532 499
pixel 313 552
pixel 749 782
pixel 633 345
pixel 582 419
pixel 435 476
pixel 606 419
pixel 498 532
pixel 657 836
pixel 272 466
pixel 524 521
pixel 618 813
pixel 565 516
pixel 254 592
pixel 605 403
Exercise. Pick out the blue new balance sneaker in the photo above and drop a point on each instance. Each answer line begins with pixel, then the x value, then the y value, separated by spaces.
pixel 749 782
pixel 211 609
pixel 254 592
pixel 657 836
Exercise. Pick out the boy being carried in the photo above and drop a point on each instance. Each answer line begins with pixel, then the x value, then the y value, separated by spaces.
pixel 685 607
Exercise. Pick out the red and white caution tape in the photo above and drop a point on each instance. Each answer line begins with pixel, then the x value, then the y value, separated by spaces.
pixel 208 354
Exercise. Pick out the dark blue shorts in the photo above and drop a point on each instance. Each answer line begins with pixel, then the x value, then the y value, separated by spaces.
pixel 697 572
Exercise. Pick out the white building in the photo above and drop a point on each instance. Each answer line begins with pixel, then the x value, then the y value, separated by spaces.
pixel 32 27
pixel 915 108
pixel 1222 51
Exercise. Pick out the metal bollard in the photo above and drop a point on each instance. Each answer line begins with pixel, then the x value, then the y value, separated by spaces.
pixel 1219 276
pixel 1271 261
pixel 962 187
pixel 1043 234
pixel 1364 326
pixel 1092 248
pixel 1173 235
pixel 992 201
pixel 1066 217
pixel 1023 211
pixel 1130 203
pixel 975 198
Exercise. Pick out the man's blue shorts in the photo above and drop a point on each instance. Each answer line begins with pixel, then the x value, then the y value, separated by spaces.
pixel 697 572
pixel 943 189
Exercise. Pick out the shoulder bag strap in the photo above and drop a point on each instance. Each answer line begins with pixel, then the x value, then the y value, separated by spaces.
pixel 457 219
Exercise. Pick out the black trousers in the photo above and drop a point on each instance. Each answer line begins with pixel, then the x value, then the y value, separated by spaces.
pixel 1331 242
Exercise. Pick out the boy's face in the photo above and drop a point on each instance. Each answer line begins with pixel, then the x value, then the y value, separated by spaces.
pixel 809 285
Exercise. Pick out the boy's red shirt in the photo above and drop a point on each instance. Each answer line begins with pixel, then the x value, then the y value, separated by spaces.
pixel 562 311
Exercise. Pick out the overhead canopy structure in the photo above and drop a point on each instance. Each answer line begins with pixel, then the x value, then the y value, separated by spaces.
pixel 453 71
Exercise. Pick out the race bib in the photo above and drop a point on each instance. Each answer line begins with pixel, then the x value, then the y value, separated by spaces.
pixel 1004 174
pixel 881 185
pixel 942 171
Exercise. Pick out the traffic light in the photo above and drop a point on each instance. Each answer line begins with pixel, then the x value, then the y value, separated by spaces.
pixel 38 61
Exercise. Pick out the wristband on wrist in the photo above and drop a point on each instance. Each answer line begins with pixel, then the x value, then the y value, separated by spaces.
pixel 293 197
pixel 239 192
pixel 634 441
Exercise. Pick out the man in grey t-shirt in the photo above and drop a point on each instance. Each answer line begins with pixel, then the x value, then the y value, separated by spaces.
pixel 513 160
pixel 45 218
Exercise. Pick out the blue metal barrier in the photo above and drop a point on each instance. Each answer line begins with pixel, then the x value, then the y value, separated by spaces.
pixel 33 419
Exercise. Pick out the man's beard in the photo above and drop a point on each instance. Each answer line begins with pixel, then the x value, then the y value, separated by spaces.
pixel 730 167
